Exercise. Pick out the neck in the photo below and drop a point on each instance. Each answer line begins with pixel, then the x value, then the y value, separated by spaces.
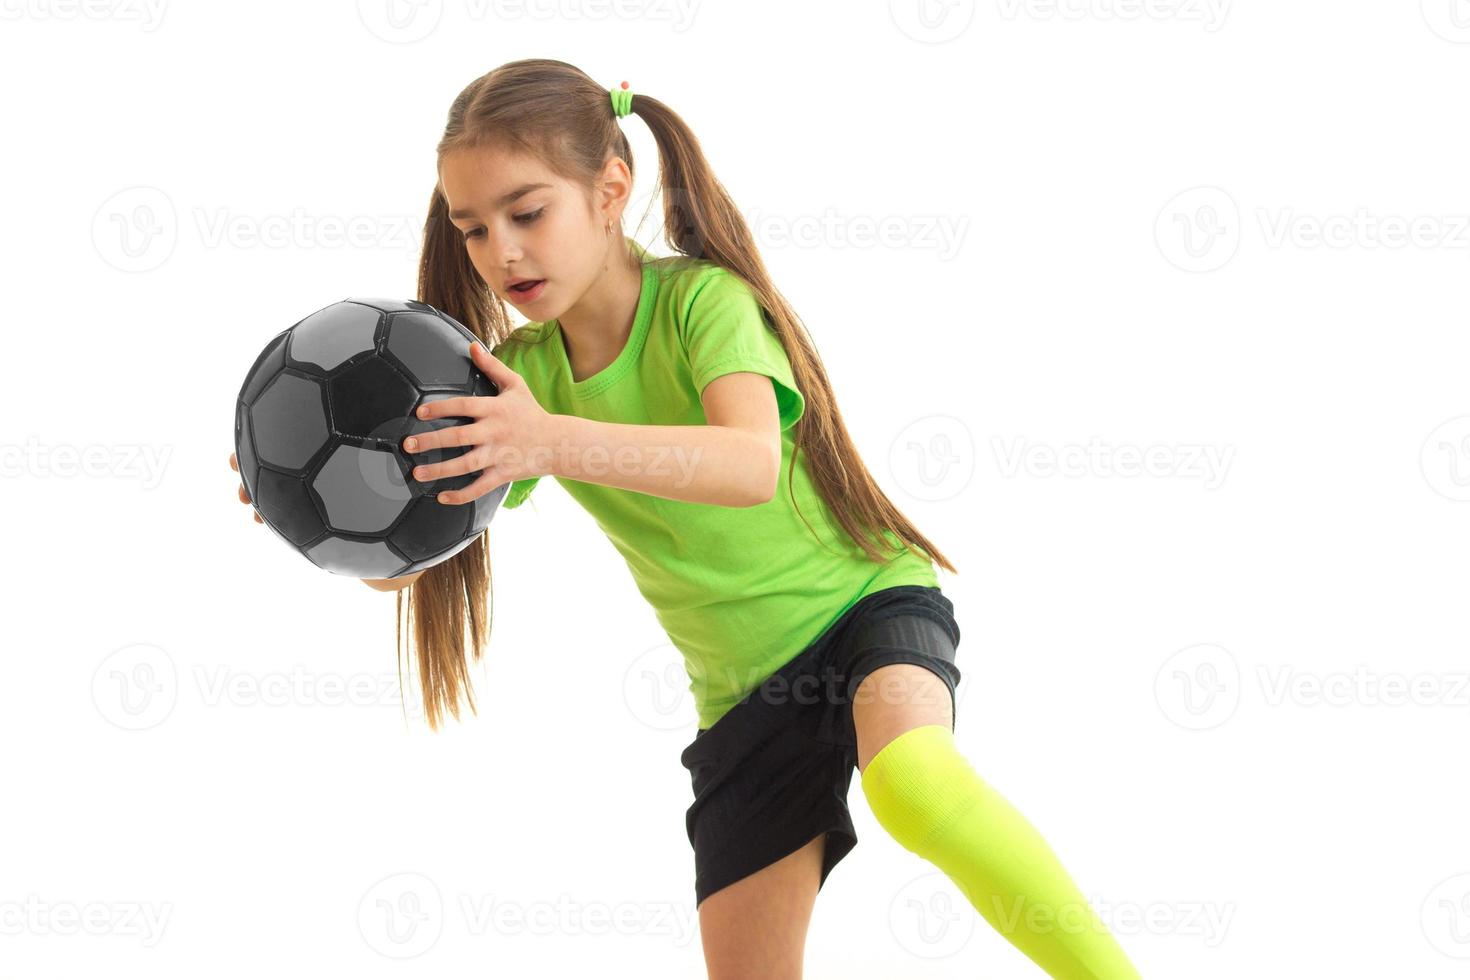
pixel 598 325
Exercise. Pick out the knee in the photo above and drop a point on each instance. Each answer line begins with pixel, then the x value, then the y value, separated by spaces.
pixel 919 784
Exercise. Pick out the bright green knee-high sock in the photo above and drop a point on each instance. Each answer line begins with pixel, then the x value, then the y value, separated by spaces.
pixel 927 796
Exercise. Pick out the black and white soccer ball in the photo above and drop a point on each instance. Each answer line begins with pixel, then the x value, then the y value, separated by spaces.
pixel 319 430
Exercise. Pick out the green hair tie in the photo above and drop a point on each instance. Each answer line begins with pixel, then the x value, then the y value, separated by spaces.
pixel 622 101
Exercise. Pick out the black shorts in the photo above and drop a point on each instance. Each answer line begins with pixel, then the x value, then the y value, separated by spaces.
pixel 773 772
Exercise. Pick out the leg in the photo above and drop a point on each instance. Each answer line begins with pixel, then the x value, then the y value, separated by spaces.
pixel 893 699
pixel 755 929
pixel 929 799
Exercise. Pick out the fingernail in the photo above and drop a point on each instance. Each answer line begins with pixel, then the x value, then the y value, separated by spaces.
pixel 411 444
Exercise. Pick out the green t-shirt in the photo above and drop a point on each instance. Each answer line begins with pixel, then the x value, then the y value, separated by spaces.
pixel 740 591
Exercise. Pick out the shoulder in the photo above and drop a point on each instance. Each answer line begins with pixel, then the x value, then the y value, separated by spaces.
pixel 694 287
pixel 694 276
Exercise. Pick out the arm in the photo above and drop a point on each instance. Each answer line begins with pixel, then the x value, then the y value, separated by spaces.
pixel 734 460
pixel 391 584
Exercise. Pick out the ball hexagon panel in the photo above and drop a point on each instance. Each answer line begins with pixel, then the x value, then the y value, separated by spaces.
pixel 266 367
pixel 370 399
pixel 458 328
pixel 363 490
pixel 245 449
pixel 433 351
pixel 430 528
pixel 363 559
pixel 289 421
pixel 329 337
pixel 288 503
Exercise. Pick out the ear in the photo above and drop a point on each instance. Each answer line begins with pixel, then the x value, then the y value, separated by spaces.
pixel 614 189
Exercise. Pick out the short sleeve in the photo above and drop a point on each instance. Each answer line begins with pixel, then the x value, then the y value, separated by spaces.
pixel 724 330
pixel 518 492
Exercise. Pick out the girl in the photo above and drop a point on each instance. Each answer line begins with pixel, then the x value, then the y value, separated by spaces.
pixel 671 397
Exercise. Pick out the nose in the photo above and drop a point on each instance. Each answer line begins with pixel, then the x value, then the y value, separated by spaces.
pixel 505 250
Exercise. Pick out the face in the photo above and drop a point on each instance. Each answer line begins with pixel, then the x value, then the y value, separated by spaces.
pixel 521 221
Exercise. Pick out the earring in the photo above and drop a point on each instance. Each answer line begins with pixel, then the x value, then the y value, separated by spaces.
pixel 608 228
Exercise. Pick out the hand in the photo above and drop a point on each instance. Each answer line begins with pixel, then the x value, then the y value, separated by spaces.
pixel 244 497
pixel 509 439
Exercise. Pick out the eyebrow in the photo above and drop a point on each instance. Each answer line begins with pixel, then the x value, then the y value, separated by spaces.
pixel 505 199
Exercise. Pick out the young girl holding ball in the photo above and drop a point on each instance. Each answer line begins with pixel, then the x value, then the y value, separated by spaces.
pixel 805 605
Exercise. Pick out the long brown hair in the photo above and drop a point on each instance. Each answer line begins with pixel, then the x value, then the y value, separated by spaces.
pixel 557 114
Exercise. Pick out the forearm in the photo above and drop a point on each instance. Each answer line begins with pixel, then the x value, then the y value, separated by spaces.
pixel 705 464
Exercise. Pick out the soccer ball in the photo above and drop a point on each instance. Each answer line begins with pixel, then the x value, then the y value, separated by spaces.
pixel 319 430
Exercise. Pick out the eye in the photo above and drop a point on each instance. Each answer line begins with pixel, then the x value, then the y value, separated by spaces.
pixel 473 232
pixel 529 217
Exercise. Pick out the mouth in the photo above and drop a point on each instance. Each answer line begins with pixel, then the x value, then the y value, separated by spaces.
pixel 524 286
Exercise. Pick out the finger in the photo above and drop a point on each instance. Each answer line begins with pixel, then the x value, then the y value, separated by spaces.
pixel 234 465
pixel 257 519
pixel 244 496
pixel 449 437
pixel 468 406
pixel 422 442
pixel 469 462
pixel 488 481
pixel 491 366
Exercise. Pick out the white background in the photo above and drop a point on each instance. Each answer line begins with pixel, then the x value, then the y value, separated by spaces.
pixel 1231 694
